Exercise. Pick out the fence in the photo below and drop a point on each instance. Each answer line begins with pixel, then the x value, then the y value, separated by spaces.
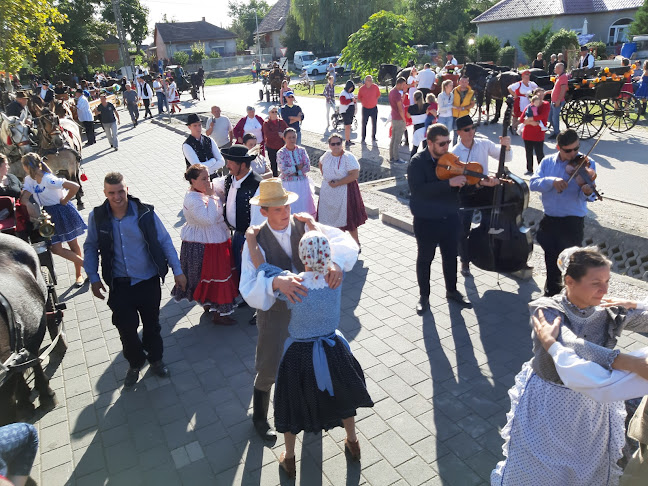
pixel 222 63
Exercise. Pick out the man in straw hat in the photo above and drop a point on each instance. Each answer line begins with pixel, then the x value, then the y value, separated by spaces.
pixel 200 149
pixel 18 107
pixel 278 240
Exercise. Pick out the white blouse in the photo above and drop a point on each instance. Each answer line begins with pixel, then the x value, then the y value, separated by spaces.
pixel 253 126
pixel 204 219
pixel 48 192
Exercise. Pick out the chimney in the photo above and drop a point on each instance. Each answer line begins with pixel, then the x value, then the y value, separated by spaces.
pixel 203 19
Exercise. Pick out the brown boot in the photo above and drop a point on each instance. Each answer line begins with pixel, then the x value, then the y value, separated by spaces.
pixel 353 448
pixel 288 465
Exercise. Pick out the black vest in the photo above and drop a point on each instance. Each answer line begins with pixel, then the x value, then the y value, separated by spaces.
pixel 247 190
pixel 146 223
pixel 202 147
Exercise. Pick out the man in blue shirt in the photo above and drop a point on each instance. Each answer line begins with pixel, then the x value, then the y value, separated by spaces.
pixel 565 206
pixel 136 251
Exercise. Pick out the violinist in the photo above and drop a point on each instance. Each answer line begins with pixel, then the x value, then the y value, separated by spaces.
pixel 565 205
pixel 474 149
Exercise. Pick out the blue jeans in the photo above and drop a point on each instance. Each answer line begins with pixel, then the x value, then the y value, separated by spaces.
pixel 161 97
pixel 554 117
pixel 18 447
pixel 448 121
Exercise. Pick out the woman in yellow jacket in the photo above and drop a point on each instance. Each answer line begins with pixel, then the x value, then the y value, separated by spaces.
pixel 464 101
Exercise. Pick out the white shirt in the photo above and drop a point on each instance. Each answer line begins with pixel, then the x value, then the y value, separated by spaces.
pixel 83 109
pixel 586 62
pixel 230 207
pixel 43 93
pixel 204 219
pixel 157 86
pixel 49 192
pixel 213 164
pixel 452 61
pixel 222 128
pixel 144 90
pixel 525 91
pixel 256 289
pixel 482 149
pixel 426 79
pixel 253 126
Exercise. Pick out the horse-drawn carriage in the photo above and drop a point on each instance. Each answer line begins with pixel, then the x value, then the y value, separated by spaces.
pixel 182 81
pixel 271 81
pixel 597 99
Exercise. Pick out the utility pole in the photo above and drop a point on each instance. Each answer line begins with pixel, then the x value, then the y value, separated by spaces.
pixel 121 36
pixel 256 18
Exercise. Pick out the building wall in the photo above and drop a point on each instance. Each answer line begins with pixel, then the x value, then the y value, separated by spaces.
pixel 597 24
pixel 273 41
pixel 225 47
pixel 160 47
pixel 111 55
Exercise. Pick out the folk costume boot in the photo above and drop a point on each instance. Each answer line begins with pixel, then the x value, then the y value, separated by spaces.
pixel 260 403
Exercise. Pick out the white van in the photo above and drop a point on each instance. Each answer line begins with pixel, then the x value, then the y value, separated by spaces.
pixel 303 58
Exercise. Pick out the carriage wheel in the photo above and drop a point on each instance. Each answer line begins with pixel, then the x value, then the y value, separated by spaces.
pixel 585 115
pixel 260 95
pixel 475 113
pixel 622 113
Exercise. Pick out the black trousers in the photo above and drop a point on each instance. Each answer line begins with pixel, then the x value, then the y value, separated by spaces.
pixel 554 235
pixel 366 114
pixel 429 234
pixel 129 303
pixel 466 218
pixel 88 126
pixel 147 108
pixel 272 155
pixel 530 146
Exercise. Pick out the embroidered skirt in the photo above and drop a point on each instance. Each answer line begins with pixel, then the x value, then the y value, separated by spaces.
pixel 211 275
pixel 68 223
pixel 298 402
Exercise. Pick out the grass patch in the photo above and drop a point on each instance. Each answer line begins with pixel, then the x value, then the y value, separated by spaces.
pixel 228 80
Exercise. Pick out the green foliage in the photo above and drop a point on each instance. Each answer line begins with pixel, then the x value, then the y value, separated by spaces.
pixel 640 24
pixel 507 56
pixel 29 28
pixel 561 41
pixel 134 17
pixel 457 44
pixel 197 52
pixel 486 48
pixel 535 41
pixel 601 49
pixel 292 40
pixel 385 38
pixel 181 58
pixel 101 68
pixel 214 55
pixel 244 20
pixel 437 20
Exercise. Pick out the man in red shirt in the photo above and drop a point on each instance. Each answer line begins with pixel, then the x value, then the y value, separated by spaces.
pixel 398 120
pixel 557 99
pixel 368 96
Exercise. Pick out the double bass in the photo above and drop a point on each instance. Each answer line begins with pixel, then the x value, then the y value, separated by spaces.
pixel 501 243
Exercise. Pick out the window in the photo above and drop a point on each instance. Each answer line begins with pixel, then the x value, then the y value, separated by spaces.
pixel 619 31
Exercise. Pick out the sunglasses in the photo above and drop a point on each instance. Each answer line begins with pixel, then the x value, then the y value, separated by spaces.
pixel 468 129
pixel 335 144
pixel 442 144
pixel 569 151
pixel 274 112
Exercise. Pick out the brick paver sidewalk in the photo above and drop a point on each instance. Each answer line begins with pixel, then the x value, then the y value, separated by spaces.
pixel 440 382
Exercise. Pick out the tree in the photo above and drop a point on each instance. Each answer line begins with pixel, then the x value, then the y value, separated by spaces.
pixel 486 48
pixel 134 17
pixel 292 40
pixel 436 20
pixel 245 17
pixel 561 41
pixel 181 58
pixel 197 52
pixel 385 38
pixel 535 40
pixel 507 56
pixel 458 45
pixel 29 27
pixel 640 24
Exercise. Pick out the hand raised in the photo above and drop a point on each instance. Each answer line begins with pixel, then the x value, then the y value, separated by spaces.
pixel 546 333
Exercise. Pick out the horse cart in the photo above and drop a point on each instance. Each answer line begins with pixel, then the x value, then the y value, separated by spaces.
pixel 593 102
pixel 272 81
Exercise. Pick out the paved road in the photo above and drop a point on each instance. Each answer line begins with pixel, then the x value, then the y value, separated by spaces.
pixel 622 164
pixel 439 383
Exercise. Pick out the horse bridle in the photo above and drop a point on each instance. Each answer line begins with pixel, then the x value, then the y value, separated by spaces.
pixel 48 136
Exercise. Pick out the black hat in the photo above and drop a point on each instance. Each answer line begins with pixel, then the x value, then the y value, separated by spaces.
pixel 464 121
pixel 584 48
pixel 238 154
pixel 193 118
pixel 21 95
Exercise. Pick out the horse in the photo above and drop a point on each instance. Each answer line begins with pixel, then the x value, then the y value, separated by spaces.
pixel 15 141
pixel 23 322
pixel 60 145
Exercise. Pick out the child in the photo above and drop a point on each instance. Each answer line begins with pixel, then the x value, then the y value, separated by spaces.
pixel 431 119
pixel 532 110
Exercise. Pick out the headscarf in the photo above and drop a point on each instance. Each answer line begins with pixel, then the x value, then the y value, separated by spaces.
pixel 565 257
pixel 315 251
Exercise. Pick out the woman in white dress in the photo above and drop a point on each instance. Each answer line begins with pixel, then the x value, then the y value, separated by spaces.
pixel 294 165
pixel 340 203
pixel 556 434
pixel 412 83
pixel 173 96
pixel 418 113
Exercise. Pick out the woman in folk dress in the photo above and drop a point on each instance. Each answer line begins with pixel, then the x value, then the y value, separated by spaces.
pixel 173 96
pixel 294 165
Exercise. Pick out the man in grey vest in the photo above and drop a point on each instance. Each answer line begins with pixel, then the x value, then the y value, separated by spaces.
pixel 278 239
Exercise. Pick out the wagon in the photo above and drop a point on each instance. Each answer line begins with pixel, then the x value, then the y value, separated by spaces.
pixel 271 81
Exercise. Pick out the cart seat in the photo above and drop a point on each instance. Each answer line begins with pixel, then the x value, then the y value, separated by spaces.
pixel 7 215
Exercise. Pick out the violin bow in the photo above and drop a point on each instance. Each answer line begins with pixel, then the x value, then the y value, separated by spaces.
pixel 580 166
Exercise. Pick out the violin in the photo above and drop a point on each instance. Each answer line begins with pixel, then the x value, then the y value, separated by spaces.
pixel 449 166
pixel 581 171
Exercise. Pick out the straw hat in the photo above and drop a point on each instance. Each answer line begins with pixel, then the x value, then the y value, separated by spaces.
pixel 272 194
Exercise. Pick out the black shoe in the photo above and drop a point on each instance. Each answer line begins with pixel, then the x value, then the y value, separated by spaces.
pixel 132 375
pixel 374 139
pixel 552 137
pixel 528 172
pixel 422 306
pixel 260 404
pixel 456 296
pixel 465 270
pixel 253 320
pixel 363 142
pixel 158 368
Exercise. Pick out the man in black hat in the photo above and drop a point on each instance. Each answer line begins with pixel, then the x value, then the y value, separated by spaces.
pixel 45 93
pixel 586 60
pixel 18 107
pixel 474 149
pixel 200 149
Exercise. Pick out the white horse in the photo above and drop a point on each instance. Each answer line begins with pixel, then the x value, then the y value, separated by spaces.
pixel 14 142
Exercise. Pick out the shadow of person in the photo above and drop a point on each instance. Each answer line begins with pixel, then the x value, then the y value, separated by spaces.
pixel 353 284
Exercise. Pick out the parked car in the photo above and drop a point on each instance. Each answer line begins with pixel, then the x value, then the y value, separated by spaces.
pixel 303 58
pixel 319 66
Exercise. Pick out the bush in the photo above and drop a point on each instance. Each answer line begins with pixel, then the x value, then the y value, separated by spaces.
pixel 599 47
pixel 507 56
pixel 101 68
pixel 181 58
pixel 561 41
pixel 198 52
pixel 535 41
pixel 214 55
pixel 486 48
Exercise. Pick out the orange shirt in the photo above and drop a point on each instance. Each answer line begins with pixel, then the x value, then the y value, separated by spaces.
pixel 368 97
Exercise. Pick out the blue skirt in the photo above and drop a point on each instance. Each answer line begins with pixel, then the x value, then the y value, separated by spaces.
pixel 300 405
pixel 68 223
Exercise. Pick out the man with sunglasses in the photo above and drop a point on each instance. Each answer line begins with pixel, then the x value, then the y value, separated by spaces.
pixel 565 206
pixel 474 149
pixel 435 206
